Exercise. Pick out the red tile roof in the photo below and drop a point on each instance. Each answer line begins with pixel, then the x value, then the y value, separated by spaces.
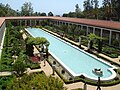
pixel 1 21
pixel 98 23
pixel 25 17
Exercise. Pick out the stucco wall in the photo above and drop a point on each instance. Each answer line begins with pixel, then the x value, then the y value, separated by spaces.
pixel 2 29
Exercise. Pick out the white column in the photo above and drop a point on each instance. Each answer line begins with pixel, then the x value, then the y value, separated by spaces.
pixel 101 33
pixel 93 30
pixel 117 35
pixel 64 23
pixel 110 35
pixel 20 23
pixel 30 23
pixel 57 22
pixel 79 40
pixel 81 27
pixel 35 22
pixel 39 22
pixel 87 31
pixel 25 22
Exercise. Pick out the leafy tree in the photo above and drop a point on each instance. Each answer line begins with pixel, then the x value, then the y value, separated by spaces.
pixel 77 10
pixel 36 14
pixel 5 10
pixel 50 14
pixel 65 15
pixel 37 81
pixel 116 8
pixel 27 9
pixel 72 29
pixel 43 14
pixel 110 9
pixel 64 28
pixel 96 4
pixel 107 8
pixel 44 22
pixel 30 41
pixel 95 10
pixel 92 38
pixel 39 13
pixel 71 14
pixel 87 5
pixel 19 67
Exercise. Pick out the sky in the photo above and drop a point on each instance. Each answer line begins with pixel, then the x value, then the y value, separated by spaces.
pixel 58 7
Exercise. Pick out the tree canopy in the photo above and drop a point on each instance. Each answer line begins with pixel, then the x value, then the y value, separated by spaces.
pixel 50 14
pixel 27 9
pixel 77 10
pixel 19 67
pixel 37 41
pixel 35 81
pixel 108 11
pixel 6 10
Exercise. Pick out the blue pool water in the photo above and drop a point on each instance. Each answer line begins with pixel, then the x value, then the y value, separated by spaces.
pixel 76 60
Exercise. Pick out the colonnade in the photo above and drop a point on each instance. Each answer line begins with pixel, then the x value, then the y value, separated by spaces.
pixel 88 28
pixel 102 29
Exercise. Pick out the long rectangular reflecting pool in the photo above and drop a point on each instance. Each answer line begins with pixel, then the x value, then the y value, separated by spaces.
pixel 74 60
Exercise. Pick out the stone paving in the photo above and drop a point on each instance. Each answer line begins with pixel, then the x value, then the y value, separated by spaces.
pixel 5 73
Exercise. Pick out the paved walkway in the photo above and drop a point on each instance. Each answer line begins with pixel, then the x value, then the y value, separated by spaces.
pixel 33 71
pixel 5 73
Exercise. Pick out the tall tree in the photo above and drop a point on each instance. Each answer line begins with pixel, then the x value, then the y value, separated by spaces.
pixel 5 10
pixel 95 10
pixel 87 5
pixel 77 10
pixel 96 4
pixel 27 9
pixel 107 8
pixel 116 7
pixel 65 15
pixel 43 14
pixel 50 14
